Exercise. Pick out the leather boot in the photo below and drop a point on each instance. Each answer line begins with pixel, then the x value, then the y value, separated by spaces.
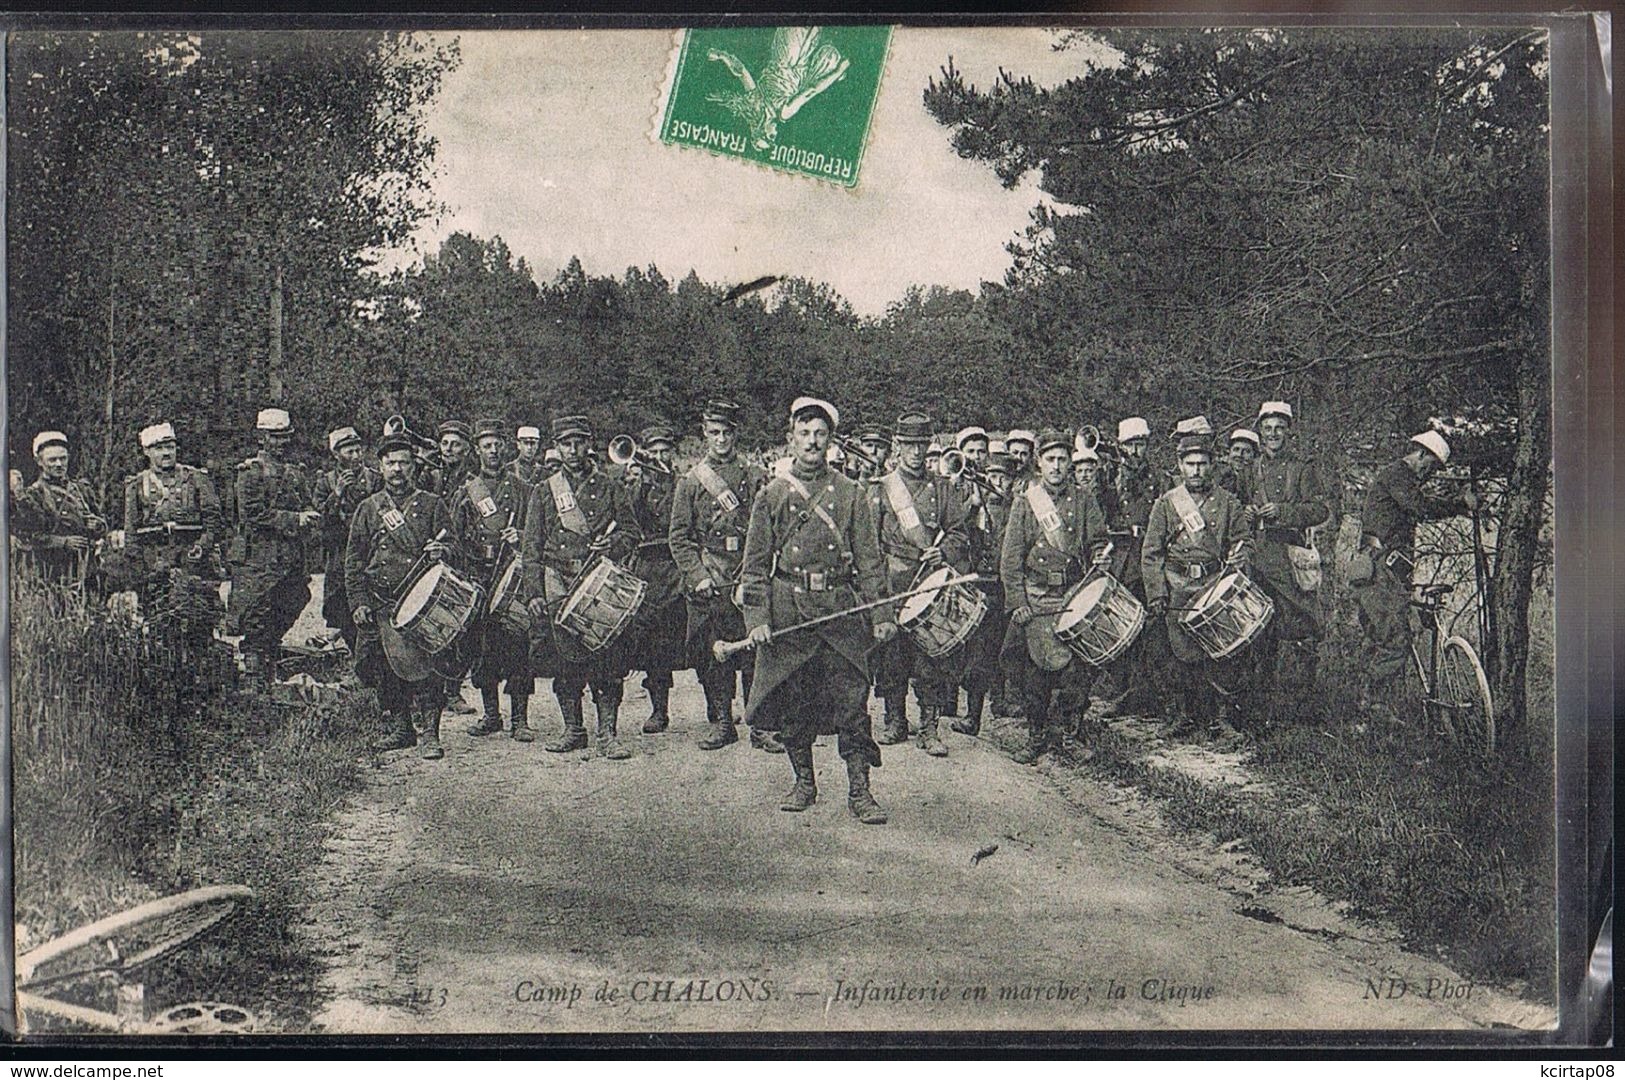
pixel 519 718
pixel 930 739
pixel 805 791
pixel 608 744
pixel 720 722
pixel 766 741
pixel 1035 747
pixel 575 729
pixel 396 733
pixel 858 799
pixel 490 722
pixel 659 719
pixel 972 723
pixel 894 728
pixel 429 748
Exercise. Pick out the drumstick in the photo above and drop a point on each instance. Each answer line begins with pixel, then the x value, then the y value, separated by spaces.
pixel 722 650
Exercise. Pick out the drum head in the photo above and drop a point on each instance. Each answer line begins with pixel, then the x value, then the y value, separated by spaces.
pixel 505 585
pixel 915 605
pixel 1082 604
pixel 418 596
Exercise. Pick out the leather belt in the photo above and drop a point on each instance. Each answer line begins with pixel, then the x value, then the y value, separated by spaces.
pixel 814 580
pixel 1196 570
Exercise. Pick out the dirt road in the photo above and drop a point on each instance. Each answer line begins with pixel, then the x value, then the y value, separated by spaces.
pixel 508 889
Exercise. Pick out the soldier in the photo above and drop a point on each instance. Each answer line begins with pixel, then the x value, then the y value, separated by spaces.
pixel 1195 530
pixel 933 458
pixel 456 458
pixel 811 550
pixel 986 528
pixel 271 587
pixel 1086 470
pixel 1287 499
pixel 1055 532
pixel 973 443
pixel 1395 504
pixel 487 518
pixel 527 463
pixel 1237 473
pixel 578 513
pixel 1019 445
pixel 709 511
pixel 339 492
pixel 57 518
pixel 392 529
pixel 875 441
pixel 921 522
pixel 1127 500
pixel 172 526
pixel 658 648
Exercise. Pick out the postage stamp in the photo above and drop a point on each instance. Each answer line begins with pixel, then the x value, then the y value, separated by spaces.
pixel 795 98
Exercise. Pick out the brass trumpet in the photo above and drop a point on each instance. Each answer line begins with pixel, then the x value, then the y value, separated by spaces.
pixel 1090 438
pixel 624 450
pixel 426 450
pixel 852 449
pixel 956 466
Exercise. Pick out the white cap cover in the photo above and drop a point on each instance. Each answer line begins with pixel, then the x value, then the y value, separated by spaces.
pixel 49 438
pixel 154 434
pixel 995 446
pixel 816 403
pixel 1435 444
pixel 1020 435
pixel 967 434
pixel 339 436
pixel 1134 427
pixel 273 420
pixel 1275 408
pixel 528 432
pixel 1242 434
pixel 1081 454
pixel 1195 425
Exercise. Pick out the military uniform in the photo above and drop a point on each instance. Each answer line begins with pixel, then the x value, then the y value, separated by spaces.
pixel 1129 494
pixel 1179 562
pixel 566 512
pixel 482 508
pixel 989 514
pixel 912 514
pixel 1294 486
pixel 812 549
pixel 339 492
pixel 172 527
pixel 387 536
pixel 657 648
pixel 271 587
pixel 528 474
pixel 52 513
pixel 1049 543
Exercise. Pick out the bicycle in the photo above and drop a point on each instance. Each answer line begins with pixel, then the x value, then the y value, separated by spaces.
pixel 1455 690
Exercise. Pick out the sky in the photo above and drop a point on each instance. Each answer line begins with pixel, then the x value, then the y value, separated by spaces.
pixel 545 139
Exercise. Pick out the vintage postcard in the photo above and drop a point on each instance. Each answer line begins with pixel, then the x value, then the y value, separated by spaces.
pixel 784 528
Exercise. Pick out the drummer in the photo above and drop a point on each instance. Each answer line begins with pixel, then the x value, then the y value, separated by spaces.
pixel 922 525
pixel 1055 531
pixel 488 513
pixel 986 531
pixel 1127 499
pixel 579 513
pixel 392 529
pixel 1195 530
pixel 657 649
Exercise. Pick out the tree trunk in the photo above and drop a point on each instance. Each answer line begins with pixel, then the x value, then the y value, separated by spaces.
pixel 105 478
pixel 1518 539
pixel 274 375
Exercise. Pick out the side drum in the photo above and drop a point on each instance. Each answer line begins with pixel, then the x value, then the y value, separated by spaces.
pixel 1230 614
pixel 505 605
pixel 437 608
pixel 942 619
pixel 601 605
pixel 1100 620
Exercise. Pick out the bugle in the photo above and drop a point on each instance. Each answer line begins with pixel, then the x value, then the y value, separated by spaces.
pixel 426 450
pixel 624 451
pixel 1090 438
pixel 956 466
pixel 851 448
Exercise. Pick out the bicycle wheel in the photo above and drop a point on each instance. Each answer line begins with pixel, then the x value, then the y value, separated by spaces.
pixel 129 939
pixel 1465 690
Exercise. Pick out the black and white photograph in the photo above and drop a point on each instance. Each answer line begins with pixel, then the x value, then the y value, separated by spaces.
pixel 781 528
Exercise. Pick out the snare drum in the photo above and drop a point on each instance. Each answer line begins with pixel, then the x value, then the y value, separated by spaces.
pixel 1100 620
pixel 1228 615
pixel 602 604
pixel 942 619
pixel 437 608
pixel 505 605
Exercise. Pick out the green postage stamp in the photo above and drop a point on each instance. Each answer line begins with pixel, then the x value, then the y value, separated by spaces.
pixel 794 98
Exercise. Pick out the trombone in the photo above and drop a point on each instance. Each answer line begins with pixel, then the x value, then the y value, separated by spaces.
pixel 425 449
pixel 624 450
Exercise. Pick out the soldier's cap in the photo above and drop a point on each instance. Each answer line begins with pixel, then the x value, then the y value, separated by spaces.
pixel 997 446
pixel 50 438
pixel 566 426
pixel 339 438
pixel 1194 445
pixel 1133 427
pixel 1194 425
pixel 492 427
pixel 1082 454
pixel 831 413
pixel 655 434
pixel 529 431
pixel 913 427
pixel 874 435
pixel 1275 408
pixel 1021 435
pixel 550 454
pixel 156 435
pixel 1435 445
pixel 1242 434
pixel 999 463
pixel 720 411
pixel 274 420
pixel 1052 439
pixel 967 434
pixel 398 441
pixel 459 428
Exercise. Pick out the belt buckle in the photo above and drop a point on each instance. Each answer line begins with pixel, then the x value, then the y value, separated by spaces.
pixel 1196 570
pixel 731 544
pixel 817 581
pixel 1055 578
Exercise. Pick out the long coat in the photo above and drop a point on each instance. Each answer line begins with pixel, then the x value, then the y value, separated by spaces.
pixel 707 541
pixel 787 543
pixel 1038 575
pixel 1179 565
pixel 1294 486
pixel 941 511
pixel 378 560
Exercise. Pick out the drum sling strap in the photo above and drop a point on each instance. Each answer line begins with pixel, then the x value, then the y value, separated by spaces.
pixel 1185 506
pixel 564 500
pixel 1049 519
pixel 903 509
pixel 490 513
pixel 716 486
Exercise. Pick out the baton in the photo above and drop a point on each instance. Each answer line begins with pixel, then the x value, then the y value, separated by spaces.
pixel 722 650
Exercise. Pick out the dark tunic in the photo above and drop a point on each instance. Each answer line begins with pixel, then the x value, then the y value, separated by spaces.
pixel 378 563
pixel 1039 575
pixel 1179 565
pixel 271 587
pixel 986 525
pixel 172 525
pixel 796 567
pixel 1128 508
pixel 663 622
pixel 1294 486
pixel 338 492
pixel 707 543
pixel 480 510
pixel 52 512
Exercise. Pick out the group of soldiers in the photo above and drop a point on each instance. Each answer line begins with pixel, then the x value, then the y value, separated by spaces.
pixel 735 551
